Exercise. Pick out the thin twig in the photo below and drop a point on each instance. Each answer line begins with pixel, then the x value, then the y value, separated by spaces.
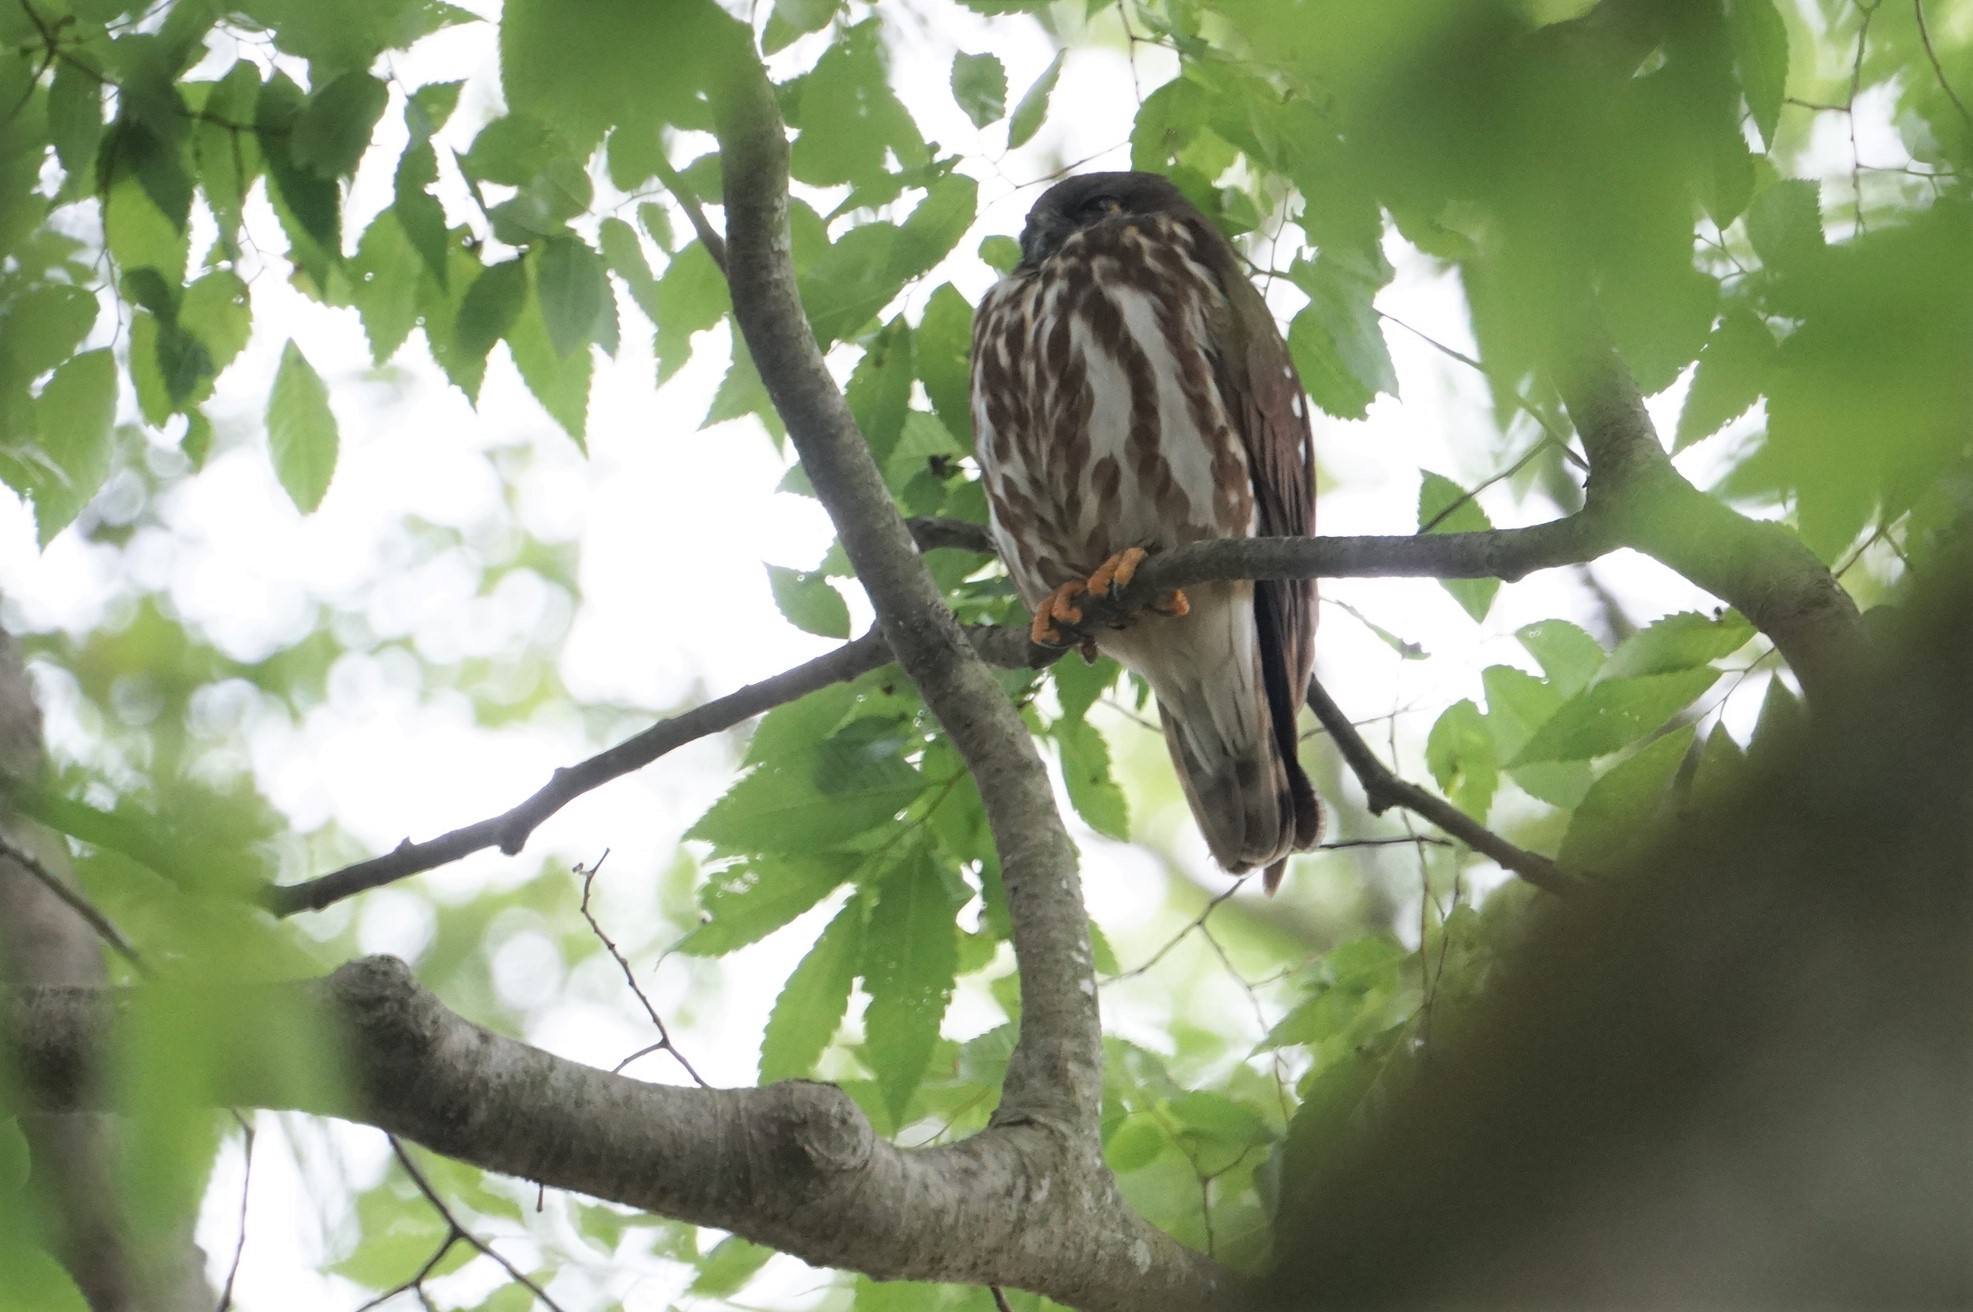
pixel 246 1191
pixel 459 1233
pixel 695 213
pixel 1198 922
pixel 1383 789
pixel 664 1043
pixel 75 902
pixel 1938 69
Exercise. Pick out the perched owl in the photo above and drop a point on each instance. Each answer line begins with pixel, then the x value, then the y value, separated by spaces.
pixel 1131 394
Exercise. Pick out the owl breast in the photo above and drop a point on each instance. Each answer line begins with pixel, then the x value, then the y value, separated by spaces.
pixel 1099 424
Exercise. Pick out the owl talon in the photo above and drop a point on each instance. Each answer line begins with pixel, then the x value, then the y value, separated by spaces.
pixel 1172 605
pixel 1060 606
pixel 1115 574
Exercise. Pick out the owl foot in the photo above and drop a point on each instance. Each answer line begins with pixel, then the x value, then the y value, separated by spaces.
pixel 1059 608
pixel 1115 574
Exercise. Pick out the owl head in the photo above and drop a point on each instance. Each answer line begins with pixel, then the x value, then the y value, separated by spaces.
pixel 1083 202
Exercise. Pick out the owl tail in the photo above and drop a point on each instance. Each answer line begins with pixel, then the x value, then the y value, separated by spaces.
pixel 1229 722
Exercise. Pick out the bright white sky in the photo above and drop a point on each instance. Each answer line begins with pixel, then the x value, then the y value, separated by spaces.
pixel 674 524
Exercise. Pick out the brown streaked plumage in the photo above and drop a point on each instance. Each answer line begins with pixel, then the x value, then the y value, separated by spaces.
pixel 1131 390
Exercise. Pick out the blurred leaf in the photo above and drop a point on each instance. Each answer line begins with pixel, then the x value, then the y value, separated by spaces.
pixel 1733 372
pixel 41 327
pixel 1785 223
pixel 1612 714
pixel 1622 801
pixel 1567 655
pixel 1760 57
pixel 979 85
pixel 574 291
pixel 218 310
pixel 692 294
pixel 1445 507
pixel 942 352
pixel 808 602
pixel 334 129
pixel 596 64
pixel 811 1006
pixel 731 1263
pixel 301 430
pixel 1460 754
pixel 1683 641
pixel 910 958
pixel 76 416
pixel 1032 110
pixel 624 253
pixel 849 117
pixel 1000 253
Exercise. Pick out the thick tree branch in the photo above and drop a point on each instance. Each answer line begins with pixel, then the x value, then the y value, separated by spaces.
pixel 794 1165
pixel 1056 1074
pixel 1760 569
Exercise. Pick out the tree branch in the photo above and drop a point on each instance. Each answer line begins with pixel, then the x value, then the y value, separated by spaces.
pixel 1383 789
pixel 1761 569
pixel 794 1165
pixel 1055 1076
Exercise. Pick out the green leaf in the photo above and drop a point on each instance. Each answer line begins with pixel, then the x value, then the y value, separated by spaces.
pixel 419 213
pixel 1086 772
pixel 574 289
pixel 731 1263
pixel 922 439
pixel 1614 713
pixel 692 292
pixel 308 204
pixel 1460 754
pixel 1567 655
pixel 808 602
pixel 41 327
pixel 1078 685
pixel 1517 705
pixel 979 84
pixel 560 382
pixel 76 416
pixel 624 253
pixel 335 128
pixel 1000 253
pixel 942 356
pixel 811 1006
pixel 1683 641
pixel 1338 341
pixel 386 272
pixel 301 430
pixel 1445 507
pixel 847 785
pixel 488 312
pixel 794 18
pixel 1733 372
pixel 1760 57
pixel 140 236
pixel 1785 223
pixel 751 899
pixel 75 124
pixel 1621 802
pixel 218 310
pixel 910 959
pixel 1032 110
pixel 584 66
pixel 427 109
pixel 850 119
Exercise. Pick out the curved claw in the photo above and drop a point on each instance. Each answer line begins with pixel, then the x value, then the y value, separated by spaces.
pixel 1059 607
pixel 1115 574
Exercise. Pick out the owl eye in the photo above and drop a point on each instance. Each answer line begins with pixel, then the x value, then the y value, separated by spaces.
pixel 1097 207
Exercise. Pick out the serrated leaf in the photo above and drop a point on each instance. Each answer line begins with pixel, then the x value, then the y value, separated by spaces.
pixel 41 327
pixel 490 307
pixel 1032 110
pixel 979 85
pixel 76 418
pixel 574 291
pixel 140 236
pixel 1785 223
pixel 910 960
pixel 1445 507
pixel 749 900
pixel 808 602
pixel 386 272
pixel 218 310
pixel 1460 754
pixel 1567 655
pixel 1733 372
pixel 1721 764
pixel 1760 57
pixel 812 1003
pixel 560 382
pixel 613 63
pixel 301 430
pixel 1620 803
pixel 427 109
pixel 75 123
pixel 850 119
pixel 1614 713
pixel 625 255
pixel 942 355
pixel 693 293
pixel 1683 641
pixel 1086 772
pixel 1078 685
pixel 847 785
pixel 336 126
